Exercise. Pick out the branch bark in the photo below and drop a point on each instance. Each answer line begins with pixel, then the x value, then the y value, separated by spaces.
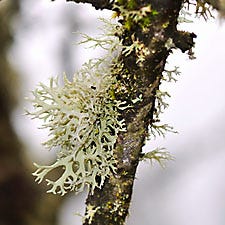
pixel 98 4
pixel 110 204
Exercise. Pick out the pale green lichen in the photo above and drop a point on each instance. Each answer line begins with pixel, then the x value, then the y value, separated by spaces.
pixel 160 155
pixel 171 74
pixel 201 8
pixel 157 128
pixel 83 120
pixel 90 212
pixel 169 44
pixel 83 115
pixel 141 16
pixel 107 39
pixel 161 103
pixel 140 50
pixel 184 16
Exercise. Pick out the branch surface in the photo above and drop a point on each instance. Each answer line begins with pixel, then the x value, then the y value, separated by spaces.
pixel 98 4
pixel 110 204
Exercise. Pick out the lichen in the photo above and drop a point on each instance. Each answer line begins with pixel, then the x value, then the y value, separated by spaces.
pixel 83 119
pixel 90 212
pixel 140 50
pixel 202 8
pixel 83 116
pixel 134 15
pixel 160 155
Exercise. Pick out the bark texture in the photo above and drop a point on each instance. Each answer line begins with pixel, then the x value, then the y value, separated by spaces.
pixel 110 204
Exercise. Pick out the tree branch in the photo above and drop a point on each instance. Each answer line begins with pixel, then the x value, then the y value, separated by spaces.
pixel 110 204
pixel 98 4
pixel 219 5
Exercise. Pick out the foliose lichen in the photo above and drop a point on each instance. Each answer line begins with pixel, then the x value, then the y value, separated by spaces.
pixel 83 119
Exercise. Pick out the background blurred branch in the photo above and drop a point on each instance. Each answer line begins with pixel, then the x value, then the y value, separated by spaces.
pixel 21 202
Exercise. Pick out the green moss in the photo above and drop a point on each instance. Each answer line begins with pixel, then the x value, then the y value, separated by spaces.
pixel 145 22
pixel 128 23
pixel 120 2
pixel 165 25
pixel 131 4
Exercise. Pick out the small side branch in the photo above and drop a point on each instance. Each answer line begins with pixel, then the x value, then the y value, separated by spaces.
pixel 184 40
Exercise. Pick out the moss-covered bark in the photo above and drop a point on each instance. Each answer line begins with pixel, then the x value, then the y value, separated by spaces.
pixel 110 204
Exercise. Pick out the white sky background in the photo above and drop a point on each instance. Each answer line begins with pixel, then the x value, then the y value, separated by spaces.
pixel 191 190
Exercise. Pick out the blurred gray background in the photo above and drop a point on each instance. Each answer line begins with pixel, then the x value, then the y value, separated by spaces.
pixel 191 190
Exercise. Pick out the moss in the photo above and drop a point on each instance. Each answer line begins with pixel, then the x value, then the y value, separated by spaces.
pixel 145 22
pixel 128 24
pixel 165 25
pixel 131 4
